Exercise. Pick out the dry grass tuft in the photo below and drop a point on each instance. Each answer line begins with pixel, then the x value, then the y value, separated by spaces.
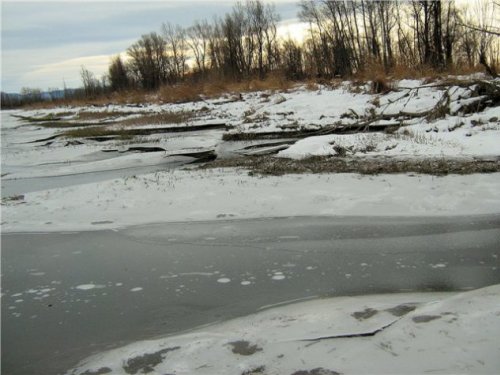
pixel 312 85
pixel 94 131
pixel 101 115
pixel 160 118
pixel 381 85
pixel 216 87
pixel 382 78
pixel 268 165
pixel 181 93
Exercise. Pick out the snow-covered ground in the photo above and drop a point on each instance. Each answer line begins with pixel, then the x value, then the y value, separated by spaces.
pixel 186 195
pixel 232 194
pixel 461 132
pixel 454 136
pixel 442 333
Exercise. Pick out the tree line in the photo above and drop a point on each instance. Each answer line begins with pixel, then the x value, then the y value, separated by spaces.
pixel 242 44
pixel 344 38
pixel 347 36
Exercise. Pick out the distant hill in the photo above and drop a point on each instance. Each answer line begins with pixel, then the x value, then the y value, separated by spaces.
pixel 12 100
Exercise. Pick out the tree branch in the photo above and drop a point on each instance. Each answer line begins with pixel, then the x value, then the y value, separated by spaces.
pixel 480 29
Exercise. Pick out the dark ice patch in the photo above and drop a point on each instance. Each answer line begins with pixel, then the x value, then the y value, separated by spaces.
pixel 254 371
pixel 219 216
pixel 365 314
pixel 452 317
pixel 244 348
pixel 101 222
pixel 147 362
pixel 425 318
pixel 316 371
pixel 101 371
pixel 402 309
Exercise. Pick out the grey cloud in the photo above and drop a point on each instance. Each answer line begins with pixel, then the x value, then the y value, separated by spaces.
pixel 41 33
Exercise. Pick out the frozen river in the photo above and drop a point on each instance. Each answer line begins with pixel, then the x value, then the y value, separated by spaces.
pixel 66 296
pixel 21 155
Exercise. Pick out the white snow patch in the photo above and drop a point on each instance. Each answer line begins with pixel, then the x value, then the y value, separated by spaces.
pixel 37 273
pixel 136 289
pixel 224 280
pixel 278 276
pixel 89 286
pixel 454 332
pixel 438 265
pixel 197 274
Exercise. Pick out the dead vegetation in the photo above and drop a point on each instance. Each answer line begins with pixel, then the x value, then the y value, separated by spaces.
pixel 159 118
pixel 216 87
pixel 91 131
pixel 56 116
pixel 128 133
pixel 268 165
pixel 13 199
pixel 100 115
pixel 189 91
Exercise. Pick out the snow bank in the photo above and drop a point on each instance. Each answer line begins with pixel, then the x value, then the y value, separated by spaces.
pixel 454 136
pixel 389 334
pixel 200 195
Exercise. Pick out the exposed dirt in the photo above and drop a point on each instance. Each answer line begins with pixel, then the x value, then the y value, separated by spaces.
pixel 365 314
pixel 146 363
pixel 316 371
pixel 403 309
pixel 255 371
pixel 425 318
pixel 244 348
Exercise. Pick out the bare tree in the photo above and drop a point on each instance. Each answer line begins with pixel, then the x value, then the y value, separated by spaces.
pixel 483 20
pixel 450 31
pixel 91 85
pixel 198 39
pixel 149 61
pixel 176 43
pixel 318 51
pixel 271 37
pixel 216 46
pixel 292 60
pixel 31 95
pixel 117 74
pixel 237 47
pixel 345 37
pixel 260 36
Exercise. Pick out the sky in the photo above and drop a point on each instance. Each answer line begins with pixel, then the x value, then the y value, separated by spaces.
pixel 45 43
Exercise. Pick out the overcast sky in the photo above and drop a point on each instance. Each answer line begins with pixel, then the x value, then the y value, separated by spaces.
pixel 45 43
